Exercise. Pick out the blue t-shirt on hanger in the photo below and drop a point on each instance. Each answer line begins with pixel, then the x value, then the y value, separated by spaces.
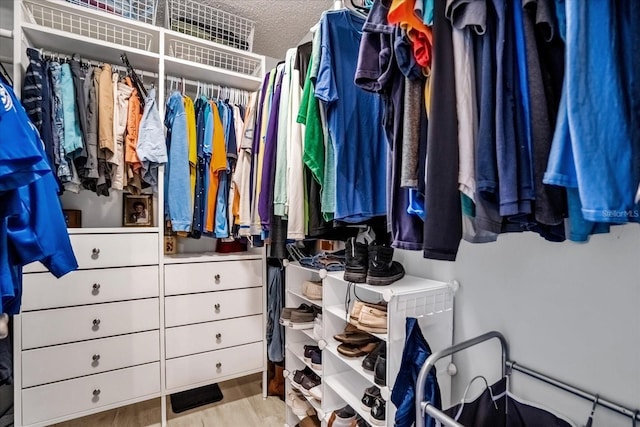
pixel 354 119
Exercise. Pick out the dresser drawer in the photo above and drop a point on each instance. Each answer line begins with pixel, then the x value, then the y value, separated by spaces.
pixel 110 250
pixel 197 308
pixel 57 400
pixel 211 276
pixel 88 357
pixel 65 325
pixel 202 367
pixel 186 340
pixel 43 290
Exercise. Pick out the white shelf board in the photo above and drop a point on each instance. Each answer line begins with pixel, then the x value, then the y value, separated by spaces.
pixel 176 35
pixel 350 399
pixel 297 266
pixel 113 230
pixel 214 75
pixel 406 285
pixel 355 363
pixel 307 332
pixel 187 258
pixel 339 312
pixel 298 351
pixel 86 47
pixel 317 303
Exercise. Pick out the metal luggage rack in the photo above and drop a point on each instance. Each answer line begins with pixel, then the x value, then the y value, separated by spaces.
pixel 224 59
pixel 209 23
pixel 48 15
pixel 423 407
pixel 138 10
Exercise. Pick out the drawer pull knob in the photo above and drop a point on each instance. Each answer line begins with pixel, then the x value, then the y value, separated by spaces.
pixel 96 357
pixel 218 365
pixel 96 392
pixel 218 336
pixel 217 307
pixel 96 288
pixel 217 277
pixel 95 252
pixel 96 322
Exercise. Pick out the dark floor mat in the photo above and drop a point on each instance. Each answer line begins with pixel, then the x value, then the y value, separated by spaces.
pixel 190 399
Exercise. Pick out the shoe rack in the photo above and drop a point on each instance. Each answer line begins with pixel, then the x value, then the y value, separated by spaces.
pixel 343 378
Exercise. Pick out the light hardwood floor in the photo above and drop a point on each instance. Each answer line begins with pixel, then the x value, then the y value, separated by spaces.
pixel 242 406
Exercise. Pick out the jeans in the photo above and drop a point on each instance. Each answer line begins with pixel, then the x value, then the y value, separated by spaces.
pixel 72 135
pixel 275 332
pixel 329 262
pixel 59 158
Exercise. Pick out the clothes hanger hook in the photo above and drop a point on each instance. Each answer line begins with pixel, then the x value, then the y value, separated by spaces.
pixel 634 421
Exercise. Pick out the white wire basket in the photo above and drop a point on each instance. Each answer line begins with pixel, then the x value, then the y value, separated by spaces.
pixel 49 16
pixel 138 10
pixel 227 60
pixel 206 22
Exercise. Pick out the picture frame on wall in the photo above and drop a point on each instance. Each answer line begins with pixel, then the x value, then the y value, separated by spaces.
pixel 137 210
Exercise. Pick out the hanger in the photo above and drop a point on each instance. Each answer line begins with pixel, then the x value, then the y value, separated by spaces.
pixel 359 9
pixel 593 410
pixel 5 74
pixel 464 396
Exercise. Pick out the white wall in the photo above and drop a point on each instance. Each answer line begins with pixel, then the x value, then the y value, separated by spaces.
pixel 568 310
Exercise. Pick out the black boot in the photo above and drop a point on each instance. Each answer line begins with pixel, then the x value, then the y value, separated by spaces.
pixel 382 269
pixel 356 261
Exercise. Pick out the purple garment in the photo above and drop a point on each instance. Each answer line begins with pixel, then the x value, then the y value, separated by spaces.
pixel 269 162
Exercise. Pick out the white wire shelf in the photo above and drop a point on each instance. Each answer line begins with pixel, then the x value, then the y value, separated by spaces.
pixel 209 23
pixel 62 19
pixel 138 10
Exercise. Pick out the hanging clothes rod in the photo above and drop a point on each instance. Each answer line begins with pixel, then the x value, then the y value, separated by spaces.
pixel 615 407
pixel 7 34
pixel 94 63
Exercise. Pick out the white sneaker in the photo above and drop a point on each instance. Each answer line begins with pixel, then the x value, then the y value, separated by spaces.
pixel 317 327
pixel 299 406
pixel 316 392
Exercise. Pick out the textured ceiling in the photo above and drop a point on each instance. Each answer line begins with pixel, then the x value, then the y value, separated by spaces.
pixel 280 24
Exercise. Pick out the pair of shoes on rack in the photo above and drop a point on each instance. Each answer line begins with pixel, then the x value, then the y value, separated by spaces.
pixel 376 363
pixel 301 317
pixel 343 417
pixel 307 382
pixel 371 264
pixel 313 356
pixel 373 402
pixel 369 317
pixel 312 290
pixel 355 343
pixel 299 405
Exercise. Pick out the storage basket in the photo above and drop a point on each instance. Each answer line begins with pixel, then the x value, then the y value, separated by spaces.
pixel 138 10
pixel 48 15
pixel 206 22
pixel 225 59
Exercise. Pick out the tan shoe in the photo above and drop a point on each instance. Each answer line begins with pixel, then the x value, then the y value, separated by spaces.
pixel 354 316
pixel 312 290
pixel 373 320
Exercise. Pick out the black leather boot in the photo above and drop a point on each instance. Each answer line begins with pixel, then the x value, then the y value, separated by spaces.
pixel 356 261
pixel 382 269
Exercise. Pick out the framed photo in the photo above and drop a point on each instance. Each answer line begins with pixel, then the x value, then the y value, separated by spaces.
pixel 138 211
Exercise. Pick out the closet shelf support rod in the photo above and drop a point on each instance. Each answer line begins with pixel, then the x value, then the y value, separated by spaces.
pixel 422 406
pixel 573 390
pixel 8 34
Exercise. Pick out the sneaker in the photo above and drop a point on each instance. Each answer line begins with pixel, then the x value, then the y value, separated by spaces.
pixel 349 350
pixel 369 362
pixel 372 320
pixel 380 371
pixel 342 417
pixel 303 319
pixel 285 316
pixel 368 399
pixel 382 269
pixel 317 328
pixel 300 406
pixel 360 422
pixel 312 290
pixel 356 311
pixel 316 359
pixel 311 421
pixel 304 381
pixel 308 351
pixel 378 412
pixel 356 261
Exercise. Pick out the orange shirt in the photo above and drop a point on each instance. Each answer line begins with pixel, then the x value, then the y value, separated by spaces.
pixel 402 13
pixel 218 164
pixel 134 115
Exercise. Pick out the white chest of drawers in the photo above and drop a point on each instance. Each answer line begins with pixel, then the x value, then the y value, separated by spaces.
pixel 130 325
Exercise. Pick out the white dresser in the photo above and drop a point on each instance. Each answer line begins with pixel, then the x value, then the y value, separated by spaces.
pixel 214 323
pixel 90 340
